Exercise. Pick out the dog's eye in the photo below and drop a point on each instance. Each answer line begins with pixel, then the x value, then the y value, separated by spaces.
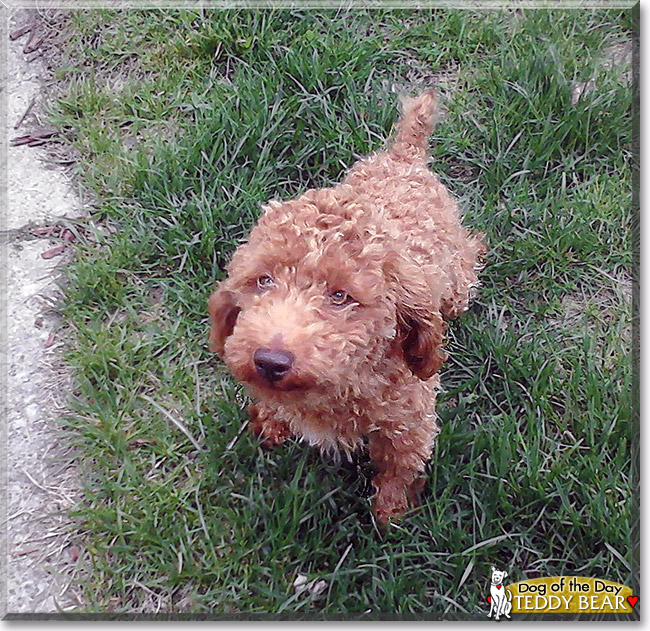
pixel 341 298
pixel 264 282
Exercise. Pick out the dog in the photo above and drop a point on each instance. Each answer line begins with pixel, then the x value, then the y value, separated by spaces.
pixel 333 313
pixel 500 597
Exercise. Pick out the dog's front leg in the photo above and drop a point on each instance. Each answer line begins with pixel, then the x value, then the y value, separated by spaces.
pixel 399 458
pixel 266 426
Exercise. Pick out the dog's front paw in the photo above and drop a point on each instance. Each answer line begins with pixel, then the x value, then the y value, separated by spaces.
pixel 274 435
pixel 391 500
pixel 266 428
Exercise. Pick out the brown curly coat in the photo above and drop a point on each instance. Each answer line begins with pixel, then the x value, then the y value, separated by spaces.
pixel 333 313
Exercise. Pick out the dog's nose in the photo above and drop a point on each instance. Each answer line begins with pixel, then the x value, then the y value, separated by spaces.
pixel 272 365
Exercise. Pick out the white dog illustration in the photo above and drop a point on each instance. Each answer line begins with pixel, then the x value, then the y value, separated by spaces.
pixel 500 598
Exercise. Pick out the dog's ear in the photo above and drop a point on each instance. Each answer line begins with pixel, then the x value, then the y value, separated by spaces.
pixel 492 569
pixel 422 339
pixel 505 574
pixel 223 310
pixel 419 323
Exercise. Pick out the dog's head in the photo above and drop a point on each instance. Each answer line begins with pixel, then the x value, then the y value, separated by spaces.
pixel 498 575
pixel 319 294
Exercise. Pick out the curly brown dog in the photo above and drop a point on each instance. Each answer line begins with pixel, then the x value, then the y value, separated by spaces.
pixel 333 313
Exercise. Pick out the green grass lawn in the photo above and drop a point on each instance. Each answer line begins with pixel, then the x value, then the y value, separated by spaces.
pixel 184 123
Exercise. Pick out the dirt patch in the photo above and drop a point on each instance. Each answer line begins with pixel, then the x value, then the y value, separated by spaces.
pixel 619 55
pixel 607 303
pixel 602 313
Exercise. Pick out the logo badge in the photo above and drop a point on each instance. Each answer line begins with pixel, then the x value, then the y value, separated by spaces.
pixel 557 595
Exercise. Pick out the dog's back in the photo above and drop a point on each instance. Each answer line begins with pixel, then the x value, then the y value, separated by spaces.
pixel 397 185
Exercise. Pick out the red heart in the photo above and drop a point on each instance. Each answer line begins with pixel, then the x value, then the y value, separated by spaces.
pixel 490 599
pixel 498 586
pixel 633 600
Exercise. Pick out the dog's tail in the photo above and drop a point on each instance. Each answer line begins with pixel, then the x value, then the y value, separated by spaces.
pixel 414 128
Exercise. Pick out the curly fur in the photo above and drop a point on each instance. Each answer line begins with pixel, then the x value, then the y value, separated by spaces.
pixel 389 240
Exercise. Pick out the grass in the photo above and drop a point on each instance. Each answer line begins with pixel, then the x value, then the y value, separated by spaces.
pixel 184 123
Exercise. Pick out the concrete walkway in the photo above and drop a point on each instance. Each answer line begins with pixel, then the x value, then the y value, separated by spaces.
pixel 41 481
